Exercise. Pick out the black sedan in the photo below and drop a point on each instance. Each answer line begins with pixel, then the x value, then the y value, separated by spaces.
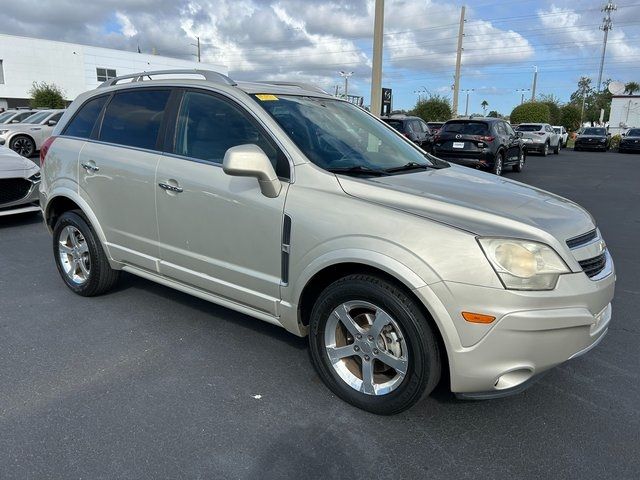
pixel 593 138
pixel 630 141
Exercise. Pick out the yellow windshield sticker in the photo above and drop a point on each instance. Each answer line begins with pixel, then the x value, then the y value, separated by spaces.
pixel 266 97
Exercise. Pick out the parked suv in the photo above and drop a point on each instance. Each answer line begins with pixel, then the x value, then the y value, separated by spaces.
pixel 26 137
pixel 593 138
pixel 300 209
pixel 564 135
pixel 488 143
pixel 540 137
pixel 630 141
pixel 14 116
pixel 414 128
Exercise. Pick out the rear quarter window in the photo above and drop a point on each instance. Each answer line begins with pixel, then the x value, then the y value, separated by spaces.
pixel 81 125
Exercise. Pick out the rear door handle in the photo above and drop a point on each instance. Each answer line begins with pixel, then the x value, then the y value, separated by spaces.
pixel 170 188
pixel 90 167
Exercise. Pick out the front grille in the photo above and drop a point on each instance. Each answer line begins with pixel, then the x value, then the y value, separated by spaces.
pixel 593 266
pixel 13 189
pixel 582 239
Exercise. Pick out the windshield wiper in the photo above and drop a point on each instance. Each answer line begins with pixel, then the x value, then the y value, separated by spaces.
pixel 357 170
pixel 409 166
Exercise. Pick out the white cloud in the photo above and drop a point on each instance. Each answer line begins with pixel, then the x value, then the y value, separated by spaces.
pixel 126 27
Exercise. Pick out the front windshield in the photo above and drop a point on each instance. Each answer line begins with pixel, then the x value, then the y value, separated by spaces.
pixel 6 116
pixel 337 135
pixel 36 117
pixel 595 131
pixel 634 133
pixel 529 128
pixel 557 130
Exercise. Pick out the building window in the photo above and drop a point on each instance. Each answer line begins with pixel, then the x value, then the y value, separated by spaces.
pixel 105 74
pixel 1 72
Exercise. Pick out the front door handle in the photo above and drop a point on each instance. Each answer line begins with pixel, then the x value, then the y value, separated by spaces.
pixel 90 167
pixel 170 188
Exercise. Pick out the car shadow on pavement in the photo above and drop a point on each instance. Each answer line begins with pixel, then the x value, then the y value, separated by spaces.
pixel 21 219
pixel 128 281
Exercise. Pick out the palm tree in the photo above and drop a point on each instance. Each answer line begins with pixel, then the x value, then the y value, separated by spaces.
pixel 484 106
pixel 631 88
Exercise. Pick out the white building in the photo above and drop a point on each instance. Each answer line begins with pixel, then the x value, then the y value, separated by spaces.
pixel 72 67
pixel 625 113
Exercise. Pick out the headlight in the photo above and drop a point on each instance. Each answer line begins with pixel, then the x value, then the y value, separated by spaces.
pixel 523 264
pixel 35 177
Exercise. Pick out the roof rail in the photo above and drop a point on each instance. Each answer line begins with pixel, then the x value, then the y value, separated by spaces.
pixel 208 75
pixel 302 85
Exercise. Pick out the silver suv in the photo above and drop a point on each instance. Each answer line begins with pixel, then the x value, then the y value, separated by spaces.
pixel 297 208
pixel 540 137
pixel 26 137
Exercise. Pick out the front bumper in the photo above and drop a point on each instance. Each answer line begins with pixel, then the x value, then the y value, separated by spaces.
pixel 629 147
pixel 28 203
pixel 533 146
pixel 533 331
pixel 591 146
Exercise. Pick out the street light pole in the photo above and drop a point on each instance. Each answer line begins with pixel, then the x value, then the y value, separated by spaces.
pixel 522 91
pixel 466 109
pixel 376 68
pixel 346 76
pixel 456 79
pixel 535 81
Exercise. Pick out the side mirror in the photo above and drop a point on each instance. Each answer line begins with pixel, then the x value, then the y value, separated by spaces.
pixel 14 121
pixel 519 134
pixel 251 161
pixel 51 123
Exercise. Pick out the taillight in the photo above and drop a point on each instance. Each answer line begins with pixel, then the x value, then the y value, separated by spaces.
pixel 436 138
pixel 485 138
pixel 45 148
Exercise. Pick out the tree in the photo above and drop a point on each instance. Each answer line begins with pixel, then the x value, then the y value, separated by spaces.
pixel 594 101
pixel 484 106
pixel 570 117
pixel 435 108
pixel 631 88
pixel 494 114
pixel 531 112
pixel 45 95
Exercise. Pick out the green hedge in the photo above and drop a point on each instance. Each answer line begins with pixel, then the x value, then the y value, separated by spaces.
pixel 531 112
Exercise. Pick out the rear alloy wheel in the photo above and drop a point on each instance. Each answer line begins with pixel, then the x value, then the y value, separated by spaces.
pixel 372 345
pixel 556 150
pixel 545 150
pixel 498 164
pixel 79 256
pixel 520 165
pixel 23 145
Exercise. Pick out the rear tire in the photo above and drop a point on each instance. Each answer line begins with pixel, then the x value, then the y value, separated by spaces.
pixel 545 149
pixel 521 160
pixel 79 256
pixel 498 164
pixel 556 150
pixel 361 306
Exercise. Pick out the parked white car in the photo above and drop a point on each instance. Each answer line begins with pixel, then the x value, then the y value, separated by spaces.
pixel 540 137
pixel 25 138
pixel 15 116
pixel 564 135
pixel 19 181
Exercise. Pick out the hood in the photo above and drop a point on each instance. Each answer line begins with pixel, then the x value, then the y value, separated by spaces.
pixel 13 165
pixel 633 139
pixel 591 137
pixel 477 202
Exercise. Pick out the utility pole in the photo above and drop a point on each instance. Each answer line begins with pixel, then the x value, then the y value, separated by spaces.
pixel 346 76
pixel 456 80
pixel 376 68
pixel 535 81
pixel 198 46
pixel 584 98
pixel 606 26
pixel 466 108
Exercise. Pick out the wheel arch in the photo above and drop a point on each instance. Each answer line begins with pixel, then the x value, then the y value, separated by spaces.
pixel 64 200
pixel 22 134
pixel 330 273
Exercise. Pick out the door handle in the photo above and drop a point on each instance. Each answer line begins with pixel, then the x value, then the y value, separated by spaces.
pixel 90 167
pixel 170 188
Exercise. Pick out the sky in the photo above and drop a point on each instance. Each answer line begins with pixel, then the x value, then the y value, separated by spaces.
pixel 311 40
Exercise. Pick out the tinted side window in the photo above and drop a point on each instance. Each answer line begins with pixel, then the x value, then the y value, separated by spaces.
pixel 22 116
pixel 208 126
pixel 82 123
pixel 499 128
pixel 133 118
pixel 56 117
pixel 509 130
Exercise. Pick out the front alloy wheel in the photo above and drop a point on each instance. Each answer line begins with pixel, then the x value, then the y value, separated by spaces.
pixel 372 345
pixel 23 146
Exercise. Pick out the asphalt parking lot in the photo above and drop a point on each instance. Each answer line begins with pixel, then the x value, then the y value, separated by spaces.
pixel 147 382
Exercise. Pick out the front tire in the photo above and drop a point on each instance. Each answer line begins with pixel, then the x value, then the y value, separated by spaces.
pixel 23 145
pixel 80 258
pixel 372 345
